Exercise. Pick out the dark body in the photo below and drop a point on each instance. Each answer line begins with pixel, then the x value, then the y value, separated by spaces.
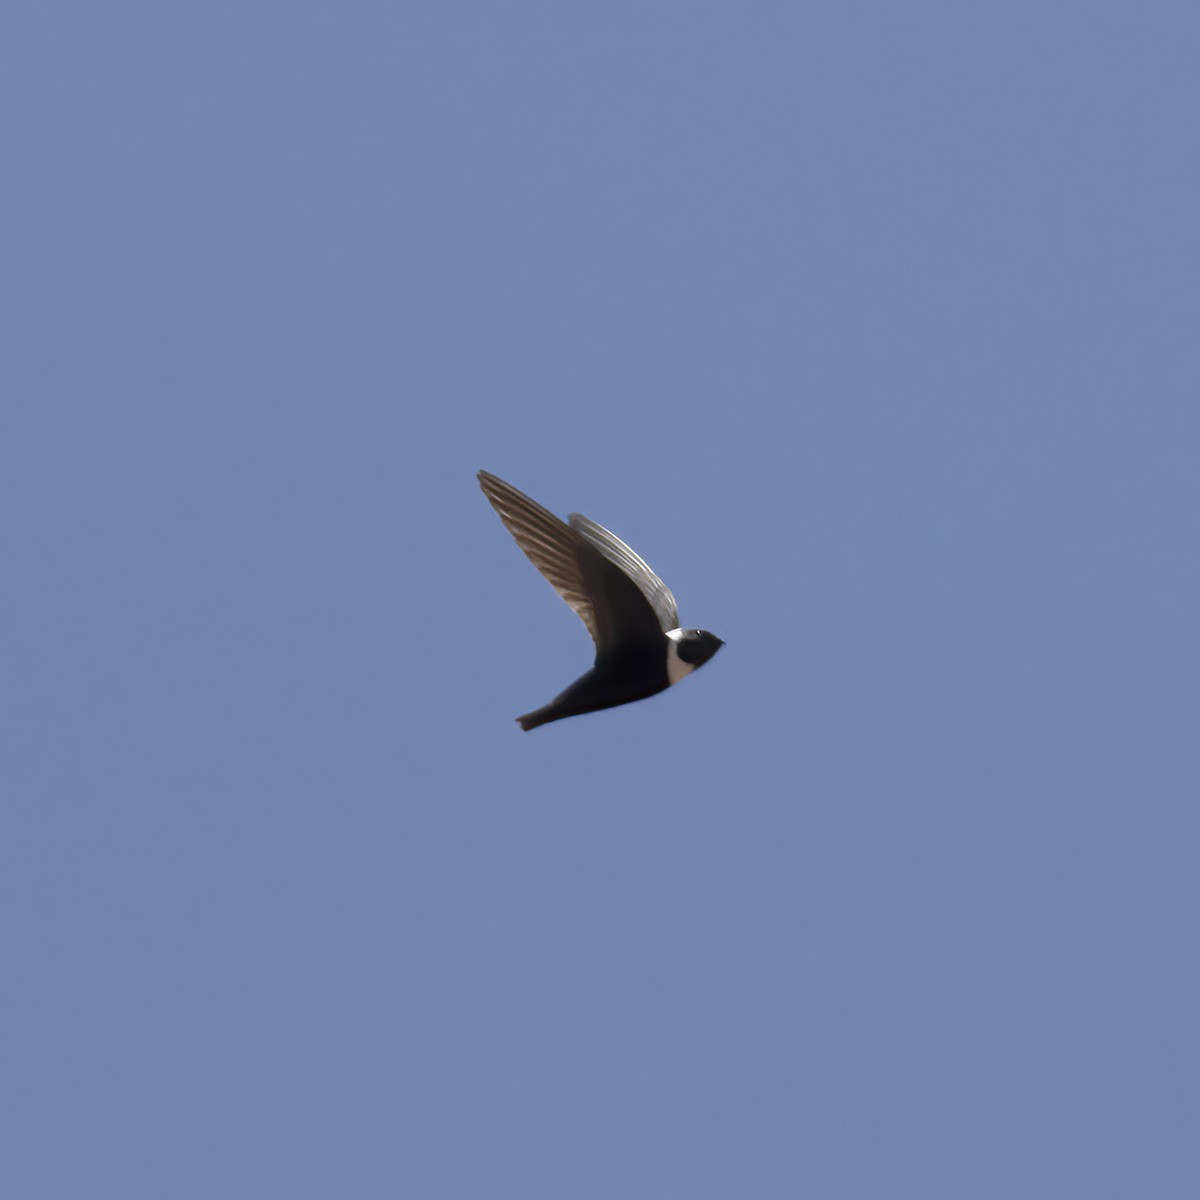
pixel 609 683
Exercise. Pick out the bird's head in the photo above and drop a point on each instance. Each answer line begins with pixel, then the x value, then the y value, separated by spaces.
pixel 697 646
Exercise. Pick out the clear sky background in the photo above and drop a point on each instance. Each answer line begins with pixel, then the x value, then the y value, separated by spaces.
pixel 873 327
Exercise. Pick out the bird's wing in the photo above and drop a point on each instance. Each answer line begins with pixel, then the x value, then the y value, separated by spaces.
pixel 603 596
pixel 634 566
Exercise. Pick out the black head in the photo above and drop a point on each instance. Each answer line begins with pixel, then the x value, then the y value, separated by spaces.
pixel 697 646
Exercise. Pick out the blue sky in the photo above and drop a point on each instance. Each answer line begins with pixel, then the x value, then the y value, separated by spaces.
pixel 873 328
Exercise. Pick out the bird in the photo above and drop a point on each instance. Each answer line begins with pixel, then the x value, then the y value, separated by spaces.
pixel 630 613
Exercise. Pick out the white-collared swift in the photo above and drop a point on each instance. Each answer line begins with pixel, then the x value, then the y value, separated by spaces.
pixel 628 610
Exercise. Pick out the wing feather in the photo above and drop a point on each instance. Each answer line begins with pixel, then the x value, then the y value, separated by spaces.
pixel 548 542
pixel 616 551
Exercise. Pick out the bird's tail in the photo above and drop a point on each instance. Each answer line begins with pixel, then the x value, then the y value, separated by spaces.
pixel 539 716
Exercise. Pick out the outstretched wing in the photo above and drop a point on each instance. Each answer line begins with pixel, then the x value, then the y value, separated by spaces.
pixel 634 566
pixel 549 543
pixel 612 604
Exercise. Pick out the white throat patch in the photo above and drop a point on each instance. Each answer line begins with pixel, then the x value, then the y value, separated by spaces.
pixel 676 667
